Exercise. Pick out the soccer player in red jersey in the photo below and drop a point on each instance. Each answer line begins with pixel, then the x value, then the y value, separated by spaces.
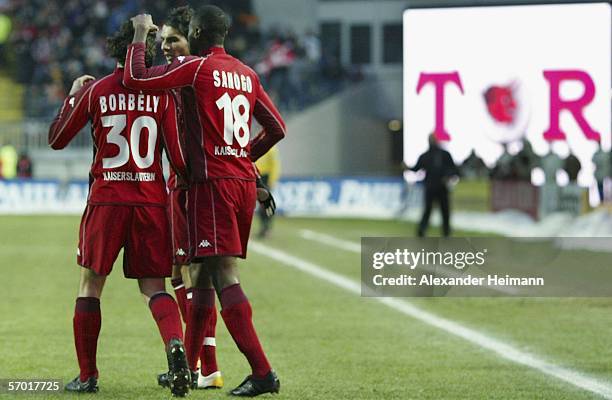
pixel 125 206
pixel 223 192
pixel 175 44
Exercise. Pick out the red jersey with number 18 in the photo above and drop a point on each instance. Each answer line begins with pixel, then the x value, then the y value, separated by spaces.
pixel 225 95
pixel 129 129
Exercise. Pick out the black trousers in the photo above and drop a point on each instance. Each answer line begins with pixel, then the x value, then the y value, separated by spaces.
pixel 600 189
pixel 439 195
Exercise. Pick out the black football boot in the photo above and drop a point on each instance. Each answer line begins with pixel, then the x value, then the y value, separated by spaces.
pixel 252 386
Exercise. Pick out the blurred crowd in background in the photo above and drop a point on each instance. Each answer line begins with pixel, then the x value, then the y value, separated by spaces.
pixel 46 44
pixel 520 166
pixel 51 42
pixel 13 164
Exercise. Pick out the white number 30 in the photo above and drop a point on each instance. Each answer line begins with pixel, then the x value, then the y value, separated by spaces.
pixel 117 123
pixel 235 119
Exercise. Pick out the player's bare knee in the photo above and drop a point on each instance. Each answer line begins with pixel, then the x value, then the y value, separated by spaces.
pixel 91 284
pixel 150 286
pixel 186 276
pixel 201 275
pixel 226 272
pixel 205 280
pixel 177 271
pixel 194 273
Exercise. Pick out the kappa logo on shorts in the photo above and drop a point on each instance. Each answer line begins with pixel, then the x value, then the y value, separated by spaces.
pixel 205 243
pixel 181 252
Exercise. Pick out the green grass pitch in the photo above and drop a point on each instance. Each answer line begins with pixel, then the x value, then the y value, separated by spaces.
pixel 325 343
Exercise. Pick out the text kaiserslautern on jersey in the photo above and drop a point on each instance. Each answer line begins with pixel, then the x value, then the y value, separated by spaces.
pixel 129 129
pixel 227 94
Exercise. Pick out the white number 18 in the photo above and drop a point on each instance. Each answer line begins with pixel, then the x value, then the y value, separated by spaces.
pixel 235 120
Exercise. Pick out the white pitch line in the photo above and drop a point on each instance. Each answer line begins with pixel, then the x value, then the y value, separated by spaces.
pixel 353 247
pixel 330 241
pixel 502 349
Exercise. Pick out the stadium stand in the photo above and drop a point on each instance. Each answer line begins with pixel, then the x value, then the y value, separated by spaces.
pixel 46 53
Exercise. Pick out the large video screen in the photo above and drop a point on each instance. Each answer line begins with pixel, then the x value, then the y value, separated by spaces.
pixel 483 78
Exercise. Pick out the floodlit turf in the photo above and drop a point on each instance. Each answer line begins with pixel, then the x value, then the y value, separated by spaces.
pixel 325 343
pixel 472 195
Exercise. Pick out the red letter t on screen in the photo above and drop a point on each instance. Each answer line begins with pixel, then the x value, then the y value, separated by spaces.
pixel 439 81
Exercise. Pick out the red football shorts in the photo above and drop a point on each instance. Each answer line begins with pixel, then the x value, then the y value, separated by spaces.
pixel 220 215
pixel 142 232
pixel 177 215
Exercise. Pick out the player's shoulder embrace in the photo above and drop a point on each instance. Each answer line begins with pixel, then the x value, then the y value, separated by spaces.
pixel 105 83
pixel 93 84
pixel 180 60
pixel 95 87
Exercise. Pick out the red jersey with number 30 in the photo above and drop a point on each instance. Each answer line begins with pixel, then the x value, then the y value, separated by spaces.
pixel 225 95
pixel 129 129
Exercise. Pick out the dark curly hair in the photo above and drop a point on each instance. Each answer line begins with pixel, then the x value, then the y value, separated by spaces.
pixel 117 44
pixel 179 18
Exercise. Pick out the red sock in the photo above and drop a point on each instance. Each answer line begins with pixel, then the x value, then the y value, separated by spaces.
pixel 208 354
pixel 86 324
pixel 166 314
pixel 237 314
pixel 180 294
pixel 202 308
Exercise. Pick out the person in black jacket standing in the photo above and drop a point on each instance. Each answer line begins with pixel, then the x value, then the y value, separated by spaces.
pixel 439 167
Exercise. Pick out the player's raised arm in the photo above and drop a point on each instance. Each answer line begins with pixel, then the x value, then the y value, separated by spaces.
pixel 136 74
pixel 266 113
pixel 171 138
pixel 73 115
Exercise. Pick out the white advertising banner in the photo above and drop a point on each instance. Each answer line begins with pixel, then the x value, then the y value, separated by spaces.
pixel 30 196
pixel 485 77
pixel 314 197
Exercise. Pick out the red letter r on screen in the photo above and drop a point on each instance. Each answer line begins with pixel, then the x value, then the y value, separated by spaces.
pixel 575 107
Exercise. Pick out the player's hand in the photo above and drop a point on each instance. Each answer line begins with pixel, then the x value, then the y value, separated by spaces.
pixel 144 22
pixel 264 196
pixel 79 82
